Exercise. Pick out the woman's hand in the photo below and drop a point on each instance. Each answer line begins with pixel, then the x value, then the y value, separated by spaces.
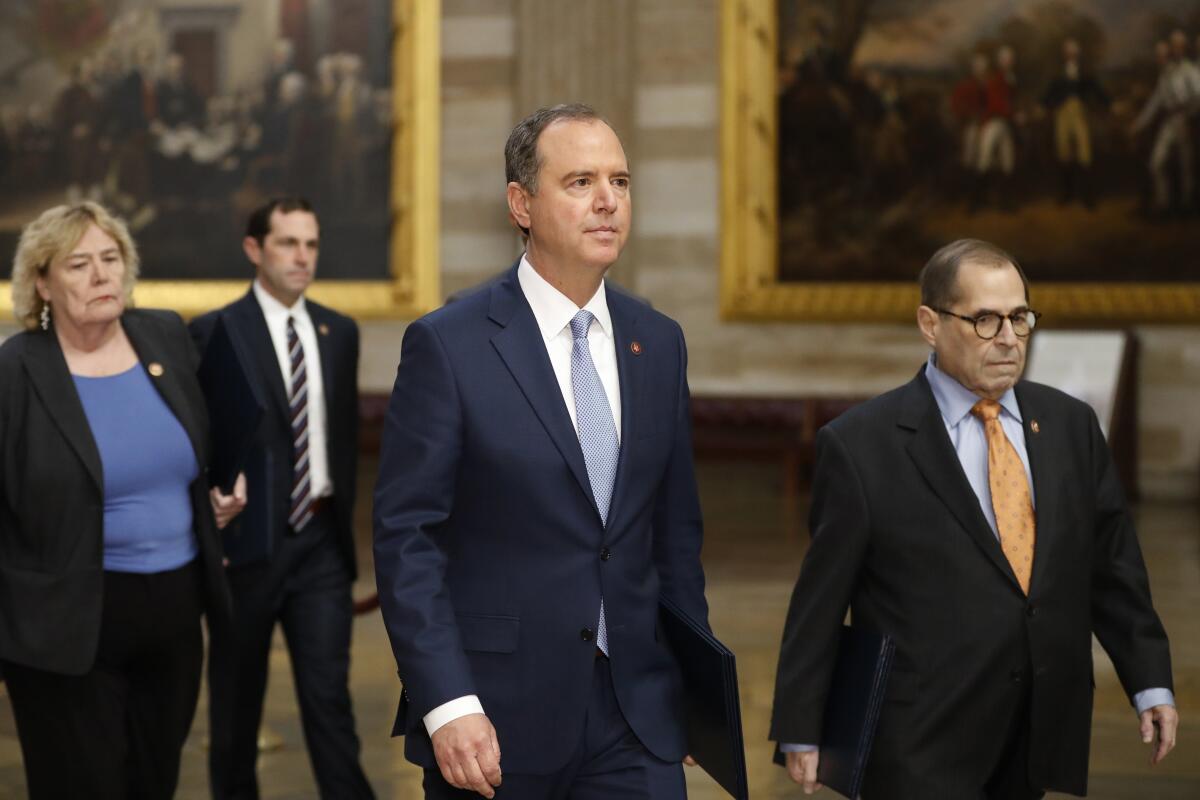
pixel 227 506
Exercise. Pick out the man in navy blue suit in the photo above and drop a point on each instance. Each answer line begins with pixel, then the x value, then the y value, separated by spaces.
pixel 536 498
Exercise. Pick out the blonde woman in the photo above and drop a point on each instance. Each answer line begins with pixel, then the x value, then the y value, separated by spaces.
pixel 109 552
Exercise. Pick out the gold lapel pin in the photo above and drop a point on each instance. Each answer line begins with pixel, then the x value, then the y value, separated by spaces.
pixel 155 369
pixel 636 347
pixel 323 328
pixel 1033 426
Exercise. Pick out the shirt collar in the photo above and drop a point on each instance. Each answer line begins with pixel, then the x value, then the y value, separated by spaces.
pixel 275 311
pixel 552 309
pixel 955 401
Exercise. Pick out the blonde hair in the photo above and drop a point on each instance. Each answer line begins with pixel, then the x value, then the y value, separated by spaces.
pixel 54 234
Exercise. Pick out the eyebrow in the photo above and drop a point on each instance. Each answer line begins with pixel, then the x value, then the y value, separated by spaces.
pixel 980 312
pixel 84 254
pixel 591 173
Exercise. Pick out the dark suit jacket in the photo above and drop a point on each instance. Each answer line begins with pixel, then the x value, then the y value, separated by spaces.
pixel 899 537
pixel 52 494
pixel 252 536
pixel 490 555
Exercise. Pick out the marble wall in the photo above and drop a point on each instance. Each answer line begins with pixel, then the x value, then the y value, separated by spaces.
pixel 651 66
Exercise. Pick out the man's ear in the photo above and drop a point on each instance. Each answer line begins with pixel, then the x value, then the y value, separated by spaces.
pixel 927 321
pixel 518 204
pixel 253 250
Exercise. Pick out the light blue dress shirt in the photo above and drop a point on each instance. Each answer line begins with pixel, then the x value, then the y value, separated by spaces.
pixel 970 443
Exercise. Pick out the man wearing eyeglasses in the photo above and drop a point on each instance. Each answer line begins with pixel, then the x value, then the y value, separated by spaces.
pixel 977 520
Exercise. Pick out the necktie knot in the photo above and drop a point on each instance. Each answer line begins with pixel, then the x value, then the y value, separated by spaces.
pixel 580 323
pixel 986 410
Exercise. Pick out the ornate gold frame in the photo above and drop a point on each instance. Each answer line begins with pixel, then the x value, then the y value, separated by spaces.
pixel 414 268
pixel 750 285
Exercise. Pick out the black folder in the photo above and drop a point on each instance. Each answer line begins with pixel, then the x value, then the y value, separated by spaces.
pixel 235 406
pixel 864 661
pixel 714 716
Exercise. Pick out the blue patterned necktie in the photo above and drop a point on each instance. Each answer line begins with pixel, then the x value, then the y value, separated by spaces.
pixel 301 511
pixel 597 432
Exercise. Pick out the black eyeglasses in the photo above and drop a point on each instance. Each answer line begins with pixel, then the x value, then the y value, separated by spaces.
pixel 989 325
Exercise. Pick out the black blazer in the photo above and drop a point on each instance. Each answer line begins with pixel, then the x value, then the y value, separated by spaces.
pixel 51 494
pixel 252 536
pixel 900 539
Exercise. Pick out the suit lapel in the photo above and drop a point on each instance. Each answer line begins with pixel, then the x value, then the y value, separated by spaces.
pixel 1045 490
pixel 151 350
pixel 51 378
pixel 521 347
pixel 624 313
pixel 934 456
pixel 251 326
pixel 322 329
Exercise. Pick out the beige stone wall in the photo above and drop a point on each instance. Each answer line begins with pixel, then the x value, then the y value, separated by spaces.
pixel 668 98
pixel 670 125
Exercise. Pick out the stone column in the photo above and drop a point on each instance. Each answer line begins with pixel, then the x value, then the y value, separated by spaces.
pixel 580 52
pixel 576 52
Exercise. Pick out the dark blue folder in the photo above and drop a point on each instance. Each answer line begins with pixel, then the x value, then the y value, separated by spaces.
pixel 714 716
pixel 235 405
pixel 864 661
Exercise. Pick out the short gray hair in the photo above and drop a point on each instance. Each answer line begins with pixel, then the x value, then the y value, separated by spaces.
pixel 939 276
pixel 522 162
pixel 52 235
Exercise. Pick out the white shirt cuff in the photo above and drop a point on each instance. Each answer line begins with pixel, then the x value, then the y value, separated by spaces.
pixel 1149 698
pixel 796 748
pixel 452 710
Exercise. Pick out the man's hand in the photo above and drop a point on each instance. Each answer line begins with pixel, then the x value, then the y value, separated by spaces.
pixel 468 754
pixel 227 506
pixel 1165 720
pixel 802 767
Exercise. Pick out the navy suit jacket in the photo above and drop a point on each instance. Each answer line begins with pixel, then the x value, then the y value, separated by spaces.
pixel 490 555
pixel 251 537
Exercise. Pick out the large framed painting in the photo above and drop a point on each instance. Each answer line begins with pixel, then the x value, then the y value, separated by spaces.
pixel 184 116
pixel 858 136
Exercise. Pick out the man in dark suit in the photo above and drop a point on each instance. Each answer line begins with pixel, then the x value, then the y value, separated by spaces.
pixel 291 557
pixel 536 497
pixel 978 520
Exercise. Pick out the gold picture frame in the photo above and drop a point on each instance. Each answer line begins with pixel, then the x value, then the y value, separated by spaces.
pixel 749 268
pixel 414 284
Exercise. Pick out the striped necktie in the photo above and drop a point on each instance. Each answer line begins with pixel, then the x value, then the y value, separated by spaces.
pixel 302 499
pixel 597 432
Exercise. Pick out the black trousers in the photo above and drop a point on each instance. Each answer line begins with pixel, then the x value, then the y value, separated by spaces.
pixel 305 586
pixel 116 732
pixel 609 762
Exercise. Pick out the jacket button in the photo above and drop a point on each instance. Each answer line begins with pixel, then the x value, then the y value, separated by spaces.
pixel 1031 610
pixel 605 554
pixel 1015 675
pixel 586 634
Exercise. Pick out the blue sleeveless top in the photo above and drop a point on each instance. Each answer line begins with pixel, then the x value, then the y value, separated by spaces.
pixel 148 463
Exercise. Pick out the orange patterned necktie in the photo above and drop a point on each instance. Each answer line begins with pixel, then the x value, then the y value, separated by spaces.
pixel 1010 494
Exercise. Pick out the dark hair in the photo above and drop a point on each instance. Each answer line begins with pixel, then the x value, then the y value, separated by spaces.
pixel 939 276
pixel 258 224
pixel 522 161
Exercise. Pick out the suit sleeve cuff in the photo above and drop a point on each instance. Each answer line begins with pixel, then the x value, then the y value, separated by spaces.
pixel 452 710
pixel 1149 698
pixel 796 748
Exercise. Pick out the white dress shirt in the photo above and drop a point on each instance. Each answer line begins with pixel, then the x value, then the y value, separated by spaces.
pixel 276 314
pixel 553 312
